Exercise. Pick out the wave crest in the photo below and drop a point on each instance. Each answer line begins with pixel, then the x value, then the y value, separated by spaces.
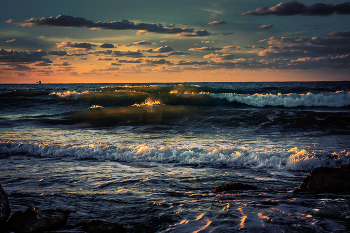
pixel 186 155
pixel 335 99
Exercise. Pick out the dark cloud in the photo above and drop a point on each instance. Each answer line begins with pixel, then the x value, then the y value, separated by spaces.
pixel 107 46
pixel 266 26
pixel 43 63
pixel 177 53
pixel 84 46
pixel 158 62
pixel 142 42
pixel 104 59
pixel 17 68
pixel 59 21
pixel 26 42
pixel 127 54
pixel 70 21
pixel 216 22
pixel 58 52
pixel 160 55
pixel 197 63
pixel 164 49
pixel 297 8
pixel 130 61
pixel 62 64
pixel 105 52
pixel 145 28
pixel 223 50
pixel 22 56
pixel 340 34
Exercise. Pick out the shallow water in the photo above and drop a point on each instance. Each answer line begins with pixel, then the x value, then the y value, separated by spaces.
pixel 150 155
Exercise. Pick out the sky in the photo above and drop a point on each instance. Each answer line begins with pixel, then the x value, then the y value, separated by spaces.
pixel 143 41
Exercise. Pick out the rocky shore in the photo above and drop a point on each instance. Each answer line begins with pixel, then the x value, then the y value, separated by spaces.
pixel 319 180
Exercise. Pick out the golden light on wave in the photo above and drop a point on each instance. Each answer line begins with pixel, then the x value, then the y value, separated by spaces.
pixel 148 103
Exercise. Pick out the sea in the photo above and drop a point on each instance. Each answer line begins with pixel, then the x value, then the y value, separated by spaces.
pixel 150 155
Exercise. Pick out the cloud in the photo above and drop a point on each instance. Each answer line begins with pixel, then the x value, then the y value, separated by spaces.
pixel 216 22
pixel 17 68
pixel 158 62
pixel 84 46
pixel 104 59
pixel 43 63
pixel 193 33
pixel 266 26
pixel 62 64
pixel 12 40
pixel 142 42
pixel 196 63
pixel 228 49
pixel 177 53
pixel 109 68
pixel 59 21
pixel 58 52
pixel 222 50
pixel 130 61
pixel 297 8
pixel 143 28
pixel 107 46
pixel 274 51
pixel 22 56
pixel 220 57
pixel 164 49
pixel 310 41
pixel 127 53
pixel 203 49
pixel 340 34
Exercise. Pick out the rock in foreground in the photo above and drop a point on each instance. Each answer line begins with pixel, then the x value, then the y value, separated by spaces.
pixel 234 186
pixel 327 180
pixel 98 226
pixel 4 207
pixel 32 220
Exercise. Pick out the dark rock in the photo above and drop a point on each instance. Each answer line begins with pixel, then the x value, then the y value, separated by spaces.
pixel 4 207
pixel 98 226
pixel 327 180
pixel 32 220
pixel 234 186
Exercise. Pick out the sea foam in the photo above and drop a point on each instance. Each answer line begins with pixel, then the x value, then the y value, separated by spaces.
pixel 334 99
pixel 186 155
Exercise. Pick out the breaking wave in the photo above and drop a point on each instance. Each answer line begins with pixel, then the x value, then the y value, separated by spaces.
pixel 185 155
pixel 336 99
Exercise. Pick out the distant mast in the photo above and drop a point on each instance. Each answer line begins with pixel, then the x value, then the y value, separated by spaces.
pixel 39 82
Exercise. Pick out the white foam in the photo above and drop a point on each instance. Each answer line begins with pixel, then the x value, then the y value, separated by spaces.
pixel 200 155
pixel 332 99
pixel 70 94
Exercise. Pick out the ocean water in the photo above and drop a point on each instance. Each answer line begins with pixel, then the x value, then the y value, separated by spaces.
pixel 149 156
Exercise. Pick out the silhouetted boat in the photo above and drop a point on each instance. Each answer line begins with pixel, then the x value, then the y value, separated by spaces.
pixel 39 82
